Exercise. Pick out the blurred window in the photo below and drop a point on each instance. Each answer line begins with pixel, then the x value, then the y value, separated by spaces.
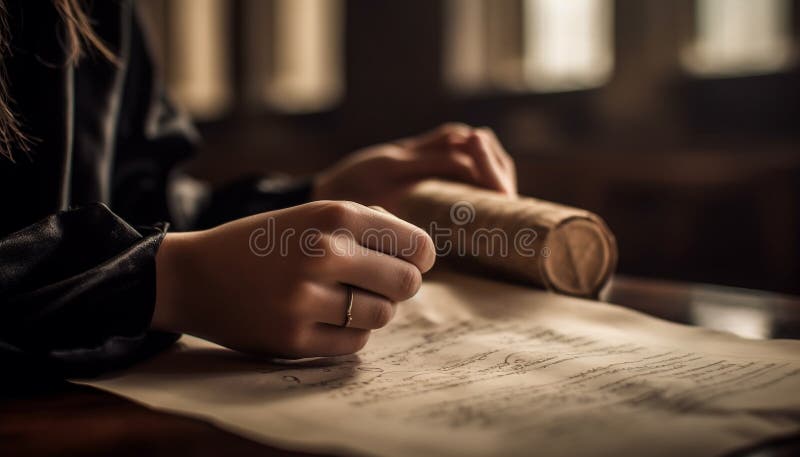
pixel 568 44
pixel 528 45
pixel 306 72
pixel 280 55
pixel 198 60
pixel 740 37
pixel 287 56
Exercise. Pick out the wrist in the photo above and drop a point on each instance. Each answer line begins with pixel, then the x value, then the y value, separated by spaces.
pixel 171 262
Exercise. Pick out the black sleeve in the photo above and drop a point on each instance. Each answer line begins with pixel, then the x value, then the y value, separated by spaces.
pixel 253 195
pixel 153 136
pixel 77 291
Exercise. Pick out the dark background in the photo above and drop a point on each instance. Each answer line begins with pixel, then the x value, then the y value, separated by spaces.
pixel 698 176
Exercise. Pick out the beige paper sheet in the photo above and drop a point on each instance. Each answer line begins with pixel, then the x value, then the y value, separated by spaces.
pixel 478 368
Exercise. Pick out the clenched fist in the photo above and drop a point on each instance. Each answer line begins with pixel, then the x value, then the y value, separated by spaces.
pixel 276 283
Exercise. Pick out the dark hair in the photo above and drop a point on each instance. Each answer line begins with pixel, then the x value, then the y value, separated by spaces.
pixel 79 36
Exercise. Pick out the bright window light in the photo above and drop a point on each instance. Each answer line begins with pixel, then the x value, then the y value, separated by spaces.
pixel 307 56
pixel 528 45
pixel 746 322
pixel 567 44
pixel 465 56
pixel 740 37
pixel 199 67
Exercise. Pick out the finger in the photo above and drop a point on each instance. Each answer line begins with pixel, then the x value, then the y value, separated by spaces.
pixel 442 135
pixel 370 311
pixel 496 147
pixel 490 170
pixel 509 174
pixel 329 340
pixel 452 164
pixel 376 272
pixel 384 232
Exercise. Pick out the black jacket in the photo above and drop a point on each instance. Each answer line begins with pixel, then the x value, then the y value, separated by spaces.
pixel 83 213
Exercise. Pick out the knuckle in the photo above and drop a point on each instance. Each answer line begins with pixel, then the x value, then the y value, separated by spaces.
pixel 336 214
pixel 486 131
pixel 392 155
pixel 453 139
pixel 388 160
pixel 454 126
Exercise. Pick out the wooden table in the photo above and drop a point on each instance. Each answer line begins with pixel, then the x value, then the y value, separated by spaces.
pixel 66 419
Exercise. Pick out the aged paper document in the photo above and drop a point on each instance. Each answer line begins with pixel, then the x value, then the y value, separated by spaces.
pixel 477 368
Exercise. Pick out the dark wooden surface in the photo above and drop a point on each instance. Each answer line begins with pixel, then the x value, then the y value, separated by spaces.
pixel 70 420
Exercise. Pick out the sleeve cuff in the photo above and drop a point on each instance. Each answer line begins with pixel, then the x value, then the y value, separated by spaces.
pixel 79 296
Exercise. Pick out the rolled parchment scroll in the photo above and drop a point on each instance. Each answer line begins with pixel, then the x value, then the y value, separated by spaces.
pixel 564 249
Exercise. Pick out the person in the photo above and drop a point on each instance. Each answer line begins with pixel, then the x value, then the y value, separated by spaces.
pixel 92 279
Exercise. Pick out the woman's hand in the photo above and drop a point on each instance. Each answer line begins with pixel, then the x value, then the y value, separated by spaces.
pixel 274 283
pixel 379 175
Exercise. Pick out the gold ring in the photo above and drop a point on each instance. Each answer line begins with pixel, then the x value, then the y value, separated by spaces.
pixel 348 316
